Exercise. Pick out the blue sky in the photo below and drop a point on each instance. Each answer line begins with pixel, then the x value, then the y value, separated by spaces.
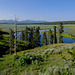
pixel 47 10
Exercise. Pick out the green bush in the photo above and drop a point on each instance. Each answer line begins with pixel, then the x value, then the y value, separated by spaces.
pixel 52 71
pixel 23 45
pixel 21 61
pixel 16 57
pixel 27 59
pixel 73 55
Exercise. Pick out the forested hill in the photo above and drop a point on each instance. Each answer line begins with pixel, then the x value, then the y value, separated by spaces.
pixel 35 22
pixel 56 23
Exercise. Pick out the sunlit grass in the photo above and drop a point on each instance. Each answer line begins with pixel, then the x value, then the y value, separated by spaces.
pixel 7 61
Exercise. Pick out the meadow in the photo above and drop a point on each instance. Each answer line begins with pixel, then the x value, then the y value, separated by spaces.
pixel 5 27
pixel 54 59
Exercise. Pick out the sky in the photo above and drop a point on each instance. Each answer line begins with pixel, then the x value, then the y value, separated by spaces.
pixel 43 10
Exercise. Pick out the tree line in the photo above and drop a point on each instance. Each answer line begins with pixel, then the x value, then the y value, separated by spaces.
pixel 52 35
pixel 30 38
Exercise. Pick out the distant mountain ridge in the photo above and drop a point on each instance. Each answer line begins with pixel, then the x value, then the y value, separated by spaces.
pixel 23 21
pixel 35 22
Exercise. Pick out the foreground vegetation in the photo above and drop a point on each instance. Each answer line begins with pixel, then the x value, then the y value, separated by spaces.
pixel 53 59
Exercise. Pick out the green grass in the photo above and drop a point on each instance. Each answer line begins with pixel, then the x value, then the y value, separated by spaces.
pixel 5 27
pixel 54 55
pixel 71 31
pixel 9 66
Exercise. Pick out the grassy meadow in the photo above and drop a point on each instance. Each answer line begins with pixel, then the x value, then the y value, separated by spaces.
pixel 54 59
pixel 5 27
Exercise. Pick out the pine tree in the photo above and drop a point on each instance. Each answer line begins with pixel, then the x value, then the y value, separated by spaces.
pixel 31 36
pixel 22 36
pixel 50 35
pixel 26 34
pixel 44 40
pixel 11 39
pixel 54 36
pixel 36 36
pixel 1 34
pixel 60 33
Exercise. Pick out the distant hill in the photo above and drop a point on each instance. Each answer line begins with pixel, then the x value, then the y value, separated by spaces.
pixel 7 21
pixel 20 22
pixel 35 22
pixel 56 23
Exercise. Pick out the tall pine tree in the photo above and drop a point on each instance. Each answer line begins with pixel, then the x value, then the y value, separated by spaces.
pixel 22 36
pixel 44 40
pixel 54 36
pixel 26 34
pixel 1 34
pixel 60 33
pixel 50 35
pixel 36 36
pixel 11 40
pixel 31 36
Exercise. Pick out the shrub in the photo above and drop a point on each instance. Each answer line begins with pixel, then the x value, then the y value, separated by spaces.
pixel 21 61
pixel 27 59
pixel 52 71
pixel 23 45
pixel 73 55
pixel 16 57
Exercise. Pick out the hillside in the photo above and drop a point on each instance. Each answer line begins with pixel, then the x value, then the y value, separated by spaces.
pixel 54 59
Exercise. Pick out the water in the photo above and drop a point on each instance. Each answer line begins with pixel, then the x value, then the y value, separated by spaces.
pixel 65 40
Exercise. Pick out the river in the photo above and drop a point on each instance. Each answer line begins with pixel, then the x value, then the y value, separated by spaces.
pixel 65 40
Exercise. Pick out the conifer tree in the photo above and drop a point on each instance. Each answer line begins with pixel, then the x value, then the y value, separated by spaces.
pixel 1 34
pixel 11 39
pixel 44 40
pixel 31 36
pixel 22 36
pixel 26 34
pixel 60 33
pixel 50 35
pixel 54 36
pixel 37 36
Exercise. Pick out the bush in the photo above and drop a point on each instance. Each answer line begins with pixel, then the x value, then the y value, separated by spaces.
pixel 27 59
pixel 21 61
pixel 73 55
pixel 23 45
pixel 16 57
pixel 55 70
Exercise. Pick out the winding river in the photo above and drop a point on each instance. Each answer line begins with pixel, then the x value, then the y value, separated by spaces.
pixel 65 40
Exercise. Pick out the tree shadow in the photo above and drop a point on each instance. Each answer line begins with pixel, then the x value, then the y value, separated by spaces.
pixel 1 60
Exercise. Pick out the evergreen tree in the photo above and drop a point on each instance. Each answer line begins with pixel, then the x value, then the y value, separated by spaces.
pixel 34 28
pixel 60 33
pixel 36 36
pixel 31 37
pixel 11 39
pixel 1 34
pixel 50 35
pixel 44 40
pixel 22 36
pixel 54 36
pixel 26 34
